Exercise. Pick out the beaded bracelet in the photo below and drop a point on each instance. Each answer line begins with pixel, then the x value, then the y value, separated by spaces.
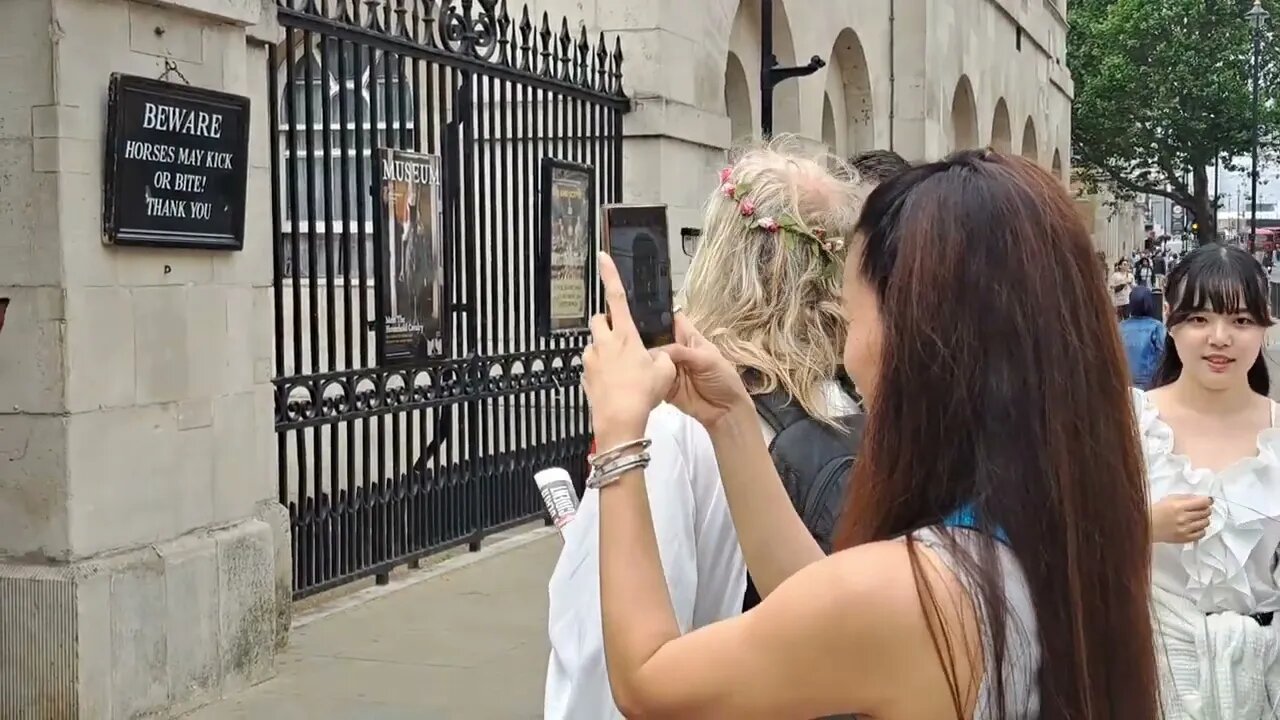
pixel 611 473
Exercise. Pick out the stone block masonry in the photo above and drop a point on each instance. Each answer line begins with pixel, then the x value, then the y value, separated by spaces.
pixel 144 561
pixel 150 631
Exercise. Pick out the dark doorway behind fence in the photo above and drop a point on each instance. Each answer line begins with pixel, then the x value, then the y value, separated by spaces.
pixel 382 465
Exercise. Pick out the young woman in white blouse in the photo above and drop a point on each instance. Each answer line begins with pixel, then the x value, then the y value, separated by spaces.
pixel 769 308
pixel 1213 459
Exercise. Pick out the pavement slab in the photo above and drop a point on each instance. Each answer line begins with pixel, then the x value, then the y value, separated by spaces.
pixel 466 639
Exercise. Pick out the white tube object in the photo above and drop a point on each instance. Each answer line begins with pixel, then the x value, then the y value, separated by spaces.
pixel 558 495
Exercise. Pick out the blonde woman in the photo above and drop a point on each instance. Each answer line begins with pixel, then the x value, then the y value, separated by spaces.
pixel 773 309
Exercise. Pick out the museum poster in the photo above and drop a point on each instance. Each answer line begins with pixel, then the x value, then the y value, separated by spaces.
pixel 412 278
pixel 570 214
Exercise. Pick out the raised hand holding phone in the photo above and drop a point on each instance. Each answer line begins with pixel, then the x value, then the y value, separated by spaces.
pixel 624 381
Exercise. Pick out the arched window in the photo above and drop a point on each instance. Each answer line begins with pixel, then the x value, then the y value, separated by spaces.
pixel 339 102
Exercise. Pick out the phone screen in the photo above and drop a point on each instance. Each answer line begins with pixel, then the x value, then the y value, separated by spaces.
pixel 636 238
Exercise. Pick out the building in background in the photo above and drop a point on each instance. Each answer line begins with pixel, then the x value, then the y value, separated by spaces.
pixel 922 77
pixel 1118 227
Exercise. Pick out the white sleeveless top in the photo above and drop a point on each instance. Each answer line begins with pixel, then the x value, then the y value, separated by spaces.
pixel 1233 567
pixel 1022 639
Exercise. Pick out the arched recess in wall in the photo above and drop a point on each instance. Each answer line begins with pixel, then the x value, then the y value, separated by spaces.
pixel 849 88
pixel 744 41
pixel 1030 145
pixel 964 116
pixel 742 83
pixel 829 136
pixel 1057 165
pixel 737 99
pixel 1001 132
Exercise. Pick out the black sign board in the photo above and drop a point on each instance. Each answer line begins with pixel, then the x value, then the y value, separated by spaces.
pixel 176 166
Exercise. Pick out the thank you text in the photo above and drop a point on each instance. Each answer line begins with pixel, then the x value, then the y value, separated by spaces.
pixel 176 166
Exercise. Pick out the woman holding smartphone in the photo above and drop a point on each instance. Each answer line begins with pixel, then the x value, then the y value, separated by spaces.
pixel 996 554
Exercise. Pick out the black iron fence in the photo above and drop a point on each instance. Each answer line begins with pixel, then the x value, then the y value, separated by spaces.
pixel 380 466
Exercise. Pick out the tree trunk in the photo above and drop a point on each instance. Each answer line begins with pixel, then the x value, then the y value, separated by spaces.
pixel 1202 212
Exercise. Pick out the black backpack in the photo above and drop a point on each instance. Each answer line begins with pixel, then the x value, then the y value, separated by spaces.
pixel 814 461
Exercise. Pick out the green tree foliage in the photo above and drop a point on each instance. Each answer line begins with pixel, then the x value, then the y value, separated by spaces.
pixel 1162 88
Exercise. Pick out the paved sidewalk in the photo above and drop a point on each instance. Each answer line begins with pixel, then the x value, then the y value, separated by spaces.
pixel 464 640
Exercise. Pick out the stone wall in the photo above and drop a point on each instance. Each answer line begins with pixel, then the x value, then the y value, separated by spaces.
pixel 144 564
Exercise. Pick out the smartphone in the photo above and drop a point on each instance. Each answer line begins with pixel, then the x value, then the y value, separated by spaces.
pixel 635 236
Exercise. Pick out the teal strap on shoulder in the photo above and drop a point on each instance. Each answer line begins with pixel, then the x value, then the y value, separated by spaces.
pixel 967 519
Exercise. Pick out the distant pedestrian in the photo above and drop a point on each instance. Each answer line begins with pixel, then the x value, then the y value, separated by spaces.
pixel 1121 285
pixel 1160 266
pixel 1143 273
pixel 1143 334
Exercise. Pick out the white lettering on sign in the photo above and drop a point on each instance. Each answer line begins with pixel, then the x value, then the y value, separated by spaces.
pixel 179 184
pixel 405 171
pixel 151 152
pixel 219 160
pixel 191 156
pixel 165 207
pixel 170 118
pixel 169 208
pixel 186 182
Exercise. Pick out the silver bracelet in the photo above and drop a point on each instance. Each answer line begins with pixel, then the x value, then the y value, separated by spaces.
pixel 609 475
pixel 599 460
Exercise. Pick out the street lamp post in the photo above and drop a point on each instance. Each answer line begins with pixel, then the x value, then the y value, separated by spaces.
pixel 770 72
pixel 1215 197
pixel 1257 17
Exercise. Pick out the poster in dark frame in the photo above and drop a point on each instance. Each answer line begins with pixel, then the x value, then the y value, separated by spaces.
pixel 566 243
pixel 410 327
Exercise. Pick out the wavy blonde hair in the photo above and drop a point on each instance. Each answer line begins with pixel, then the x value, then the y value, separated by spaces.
pixel 771 302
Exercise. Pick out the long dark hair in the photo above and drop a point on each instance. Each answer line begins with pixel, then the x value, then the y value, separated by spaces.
pixel 1007 395
pixel 1221 279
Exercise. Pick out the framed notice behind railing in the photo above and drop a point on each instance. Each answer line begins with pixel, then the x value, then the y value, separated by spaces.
pixel 566 240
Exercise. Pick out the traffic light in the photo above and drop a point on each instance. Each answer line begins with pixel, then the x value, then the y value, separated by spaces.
pixel 1195 228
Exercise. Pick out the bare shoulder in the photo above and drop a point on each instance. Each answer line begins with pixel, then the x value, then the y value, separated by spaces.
pixel 894 615
pixel 848 633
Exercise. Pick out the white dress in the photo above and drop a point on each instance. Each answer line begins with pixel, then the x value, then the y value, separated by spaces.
pixel 1216 661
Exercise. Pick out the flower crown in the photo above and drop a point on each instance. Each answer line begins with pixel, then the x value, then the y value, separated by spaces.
pixel 789 226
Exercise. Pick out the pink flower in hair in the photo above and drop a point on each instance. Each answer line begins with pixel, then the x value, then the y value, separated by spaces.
pixel 725 174
pixel 729 190
pixel 747 208
pixel 768 223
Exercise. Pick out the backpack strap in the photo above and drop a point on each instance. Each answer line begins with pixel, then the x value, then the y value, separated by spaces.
pixel 779 410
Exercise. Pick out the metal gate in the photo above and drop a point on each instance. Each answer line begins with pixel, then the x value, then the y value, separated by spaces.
pixel 380 466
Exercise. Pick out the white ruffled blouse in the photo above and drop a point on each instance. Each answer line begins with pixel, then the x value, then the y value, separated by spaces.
pixel 1234 567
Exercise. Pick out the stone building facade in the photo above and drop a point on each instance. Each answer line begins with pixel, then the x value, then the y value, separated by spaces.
pixel 922 77
pixel 144 562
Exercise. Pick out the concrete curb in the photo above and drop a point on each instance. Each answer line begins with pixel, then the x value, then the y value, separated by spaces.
pixel 451 565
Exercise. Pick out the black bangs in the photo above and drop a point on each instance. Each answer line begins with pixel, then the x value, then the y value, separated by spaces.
pixel 1219 279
